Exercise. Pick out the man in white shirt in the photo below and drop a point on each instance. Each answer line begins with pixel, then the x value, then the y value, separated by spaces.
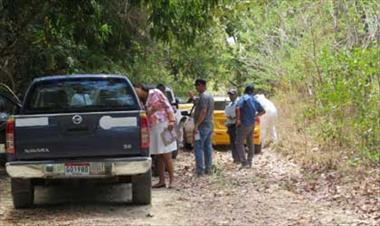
pixel 230 112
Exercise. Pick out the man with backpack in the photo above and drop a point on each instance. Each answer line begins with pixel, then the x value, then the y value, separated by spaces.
pixel 248 108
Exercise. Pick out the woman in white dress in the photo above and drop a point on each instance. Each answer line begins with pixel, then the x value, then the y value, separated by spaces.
pixel 161 117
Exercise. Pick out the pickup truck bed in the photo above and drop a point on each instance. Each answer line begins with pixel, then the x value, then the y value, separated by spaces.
pixel 57 136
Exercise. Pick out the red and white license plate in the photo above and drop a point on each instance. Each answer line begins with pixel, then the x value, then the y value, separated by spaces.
pixel 77 169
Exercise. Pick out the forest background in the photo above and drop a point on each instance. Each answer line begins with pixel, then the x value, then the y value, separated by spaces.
pixel 318 60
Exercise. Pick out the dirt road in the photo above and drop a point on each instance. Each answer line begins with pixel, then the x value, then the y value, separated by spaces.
pixel 263 195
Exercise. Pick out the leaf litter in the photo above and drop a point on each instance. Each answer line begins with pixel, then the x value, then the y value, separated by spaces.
pixel 275 191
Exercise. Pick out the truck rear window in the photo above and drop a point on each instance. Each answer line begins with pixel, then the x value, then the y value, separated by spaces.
pixel 81 95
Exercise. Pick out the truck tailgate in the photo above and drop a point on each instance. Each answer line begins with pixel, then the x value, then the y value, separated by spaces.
pixel 72 135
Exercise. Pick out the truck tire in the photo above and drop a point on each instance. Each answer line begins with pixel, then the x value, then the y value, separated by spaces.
pixel 22 193
pixel 142 188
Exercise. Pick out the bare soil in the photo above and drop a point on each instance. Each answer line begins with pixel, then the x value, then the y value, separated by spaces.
pixel 272 192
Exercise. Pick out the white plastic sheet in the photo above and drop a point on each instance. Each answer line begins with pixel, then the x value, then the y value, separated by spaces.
pixel 268 120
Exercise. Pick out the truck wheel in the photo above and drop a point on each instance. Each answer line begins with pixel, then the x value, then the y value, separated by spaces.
pixel 2 163
pixel 142 188
pixel 257 148
pixel 22 193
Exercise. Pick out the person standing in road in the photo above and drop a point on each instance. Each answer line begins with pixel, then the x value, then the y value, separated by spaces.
pixel 268 120
pixel 161 117
pixel 203 128
pixel 230 112
pixel 247 110
pixel 178 116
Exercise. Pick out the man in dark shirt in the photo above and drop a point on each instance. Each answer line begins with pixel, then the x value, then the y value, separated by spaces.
pixel 203 127
pixel 246 110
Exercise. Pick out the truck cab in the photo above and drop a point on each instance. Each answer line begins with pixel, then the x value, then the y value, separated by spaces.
pixel 78 127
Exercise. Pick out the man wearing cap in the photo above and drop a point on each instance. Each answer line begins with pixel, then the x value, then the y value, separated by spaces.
pixel 203 127
pixel 247 110
pixel 230 112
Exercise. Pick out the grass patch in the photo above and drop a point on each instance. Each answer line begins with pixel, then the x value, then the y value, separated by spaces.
pixel 300 139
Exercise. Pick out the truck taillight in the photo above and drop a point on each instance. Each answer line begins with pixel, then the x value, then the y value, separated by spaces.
pixel 144 131
pixel 10 136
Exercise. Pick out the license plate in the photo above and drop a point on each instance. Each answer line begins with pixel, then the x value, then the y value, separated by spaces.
pixel 77 169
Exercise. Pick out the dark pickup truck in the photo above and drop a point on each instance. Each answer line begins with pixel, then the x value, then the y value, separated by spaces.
pixel 78 127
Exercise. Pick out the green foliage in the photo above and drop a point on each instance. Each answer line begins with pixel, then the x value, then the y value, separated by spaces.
pixel 180 19
pixel 349 97
pixel 327 51
pixel 59 37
